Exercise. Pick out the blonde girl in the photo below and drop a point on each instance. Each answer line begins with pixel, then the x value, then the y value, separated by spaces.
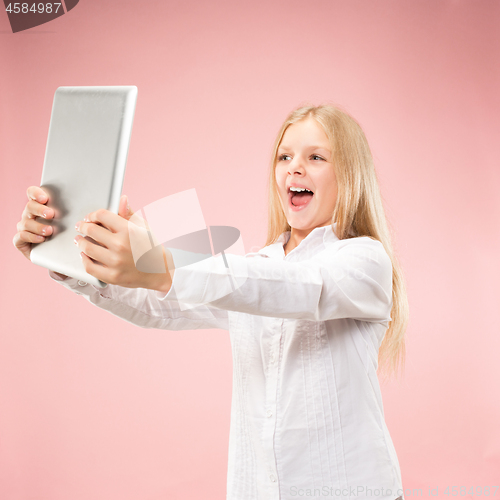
pixel 317 312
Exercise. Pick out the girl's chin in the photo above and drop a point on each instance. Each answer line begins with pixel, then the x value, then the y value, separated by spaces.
pixel 303 224
pixel 298 225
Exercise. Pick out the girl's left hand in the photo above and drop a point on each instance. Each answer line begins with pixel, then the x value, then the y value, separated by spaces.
pixel 109 257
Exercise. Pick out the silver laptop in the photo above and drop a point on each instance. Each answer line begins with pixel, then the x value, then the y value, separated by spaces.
pixel 84 167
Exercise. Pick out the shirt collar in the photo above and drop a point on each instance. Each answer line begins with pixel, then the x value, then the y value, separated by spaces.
pixel 318 236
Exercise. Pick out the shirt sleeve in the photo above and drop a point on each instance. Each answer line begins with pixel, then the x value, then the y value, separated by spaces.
pixel 350 279
pixel 144 308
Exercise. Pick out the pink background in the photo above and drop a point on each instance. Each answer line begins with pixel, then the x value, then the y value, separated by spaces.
pixel 92 407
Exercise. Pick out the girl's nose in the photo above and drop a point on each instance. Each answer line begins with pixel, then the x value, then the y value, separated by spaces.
pixel 296 165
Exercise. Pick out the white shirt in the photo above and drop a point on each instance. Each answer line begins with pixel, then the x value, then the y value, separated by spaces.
pixel 307 417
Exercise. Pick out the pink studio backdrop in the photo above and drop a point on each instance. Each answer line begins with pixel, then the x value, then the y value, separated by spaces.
pixel 95 408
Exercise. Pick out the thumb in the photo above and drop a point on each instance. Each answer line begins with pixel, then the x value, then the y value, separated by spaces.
pixel 125 211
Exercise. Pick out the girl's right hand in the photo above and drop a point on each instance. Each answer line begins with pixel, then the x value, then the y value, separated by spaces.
pixel 29 230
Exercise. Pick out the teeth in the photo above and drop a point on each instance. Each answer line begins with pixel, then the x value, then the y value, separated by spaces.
pixel 298 190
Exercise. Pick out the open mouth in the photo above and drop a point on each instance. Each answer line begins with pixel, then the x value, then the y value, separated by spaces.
pixel 298 200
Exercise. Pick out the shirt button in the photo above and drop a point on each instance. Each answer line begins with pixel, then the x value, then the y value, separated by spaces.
pixel 82 283
pixel 272 357
pixel 272 477
pixel 269 413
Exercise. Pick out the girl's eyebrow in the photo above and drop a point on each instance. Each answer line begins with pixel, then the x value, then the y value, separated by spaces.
pixel 286 148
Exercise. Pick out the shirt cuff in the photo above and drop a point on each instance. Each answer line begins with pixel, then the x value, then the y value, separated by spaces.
pixel 58 277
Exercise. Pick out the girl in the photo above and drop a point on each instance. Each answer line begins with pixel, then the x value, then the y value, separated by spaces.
pixel 320 307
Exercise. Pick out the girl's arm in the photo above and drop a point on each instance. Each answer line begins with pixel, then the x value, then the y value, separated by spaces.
pixel 144 308
pixel 350 279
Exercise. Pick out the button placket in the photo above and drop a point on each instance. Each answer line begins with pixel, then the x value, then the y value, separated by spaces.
pixel 269 424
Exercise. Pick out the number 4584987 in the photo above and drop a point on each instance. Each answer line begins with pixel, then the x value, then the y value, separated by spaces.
pixel 25 8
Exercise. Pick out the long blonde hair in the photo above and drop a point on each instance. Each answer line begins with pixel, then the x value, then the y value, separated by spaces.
pixel 358 211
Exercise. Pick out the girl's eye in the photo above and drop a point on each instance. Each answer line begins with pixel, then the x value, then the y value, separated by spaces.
pixel 314 157
pixel 282 157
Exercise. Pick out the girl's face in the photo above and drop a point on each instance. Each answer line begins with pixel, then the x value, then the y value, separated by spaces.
pixel 305 160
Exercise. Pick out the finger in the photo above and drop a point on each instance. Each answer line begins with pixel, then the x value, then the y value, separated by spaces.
pixel 24 237
pixel 109 220
pixel 35 209
pixel 125 211
pixel 23 246
pixel 32 226
pixel 96 252
pixel 93 268
pixel 98 233
pixel 37 194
